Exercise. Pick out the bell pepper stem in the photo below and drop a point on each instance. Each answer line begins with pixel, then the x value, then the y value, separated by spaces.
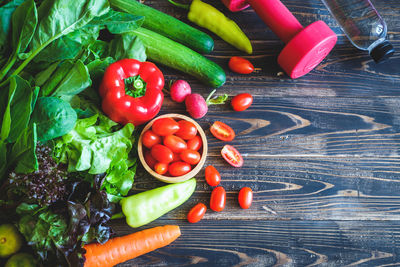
pixel 180 5
pixel 118 216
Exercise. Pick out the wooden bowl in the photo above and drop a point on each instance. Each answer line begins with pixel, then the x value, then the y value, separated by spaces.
pixel 194 171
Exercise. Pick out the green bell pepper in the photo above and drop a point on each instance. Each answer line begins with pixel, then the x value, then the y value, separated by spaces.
pixel 147 206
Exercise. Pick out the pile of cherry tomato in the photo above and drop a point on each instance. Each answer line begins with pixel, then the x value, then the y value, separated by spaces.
pixel 172 147
pixel 222 132
pixel 218 196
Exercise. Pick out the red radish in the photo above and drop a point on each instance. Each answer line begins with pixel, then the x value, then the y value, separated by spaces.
pixel 196 106
pixel 179 90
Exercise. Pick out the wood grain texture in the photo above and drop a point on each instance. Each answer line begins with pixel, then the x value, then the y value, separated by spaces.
pixel 321 152
pixel 279 243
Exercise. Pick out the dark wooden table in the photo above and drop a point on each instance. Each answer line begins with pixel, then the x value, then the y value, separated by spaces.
pixel 321 153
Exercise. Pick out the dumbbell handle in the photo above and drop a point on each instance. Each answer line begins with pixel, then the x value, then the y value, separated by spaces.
pixel 277 17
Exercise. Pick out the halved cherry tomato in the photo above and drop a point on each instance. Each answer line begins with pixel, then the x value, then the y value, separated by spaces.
pixel 190 156
pixel 196 213
pixel 187 130
pixel 161 168
pixel 149 139
pixel 175 143
pixel 217 200
pixel 179 168
pixel 222 131
pixel 149 159
pixel 213 178
pixel 245 197
pixel 241 101
pixel 195 143
pixel 240 65
pixel 162 153
pixel 165 126
pixel 232 156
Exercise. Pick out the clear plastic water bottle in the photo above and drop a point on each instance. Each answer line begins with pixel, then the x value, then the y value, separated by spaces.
pixel 363 26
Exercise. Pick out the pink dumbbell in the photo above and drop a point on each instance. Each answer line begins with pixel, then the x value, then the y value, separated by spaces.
pixel 305 47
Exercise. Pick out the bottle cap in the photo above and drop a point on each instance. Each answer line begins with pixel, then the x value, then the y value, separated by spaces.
pixel 382 52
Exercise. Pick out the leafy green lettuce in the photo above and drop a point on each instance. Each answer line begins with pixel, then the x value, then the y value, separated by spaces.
pixel 99 145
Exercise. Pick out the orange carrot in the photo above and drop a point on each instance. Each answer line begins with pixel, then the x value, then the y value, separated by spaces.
pixel 120 249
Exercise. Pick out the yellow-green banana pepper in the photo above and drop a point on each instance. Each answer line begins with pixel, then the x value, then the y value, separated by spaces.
pixel 142 208
pixel 207 16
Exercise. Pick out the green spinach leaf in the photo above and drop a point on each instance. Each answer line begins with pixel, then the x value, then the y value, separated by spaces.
pixel 68 46
pixel 69 79
pixel 6 12
pixel 118 22
pixel 24 21
pixel 127 46
pixel 22 105
pixel 54 118
pixel 58 18
pixel 23 152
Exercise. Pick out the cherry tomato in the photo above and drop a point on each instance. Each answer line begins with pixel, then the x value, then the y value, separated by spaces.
pixel 149 139
pixel 190 156
pixel 213 178
pixel 165 126
pixel 232 156
pixel 196 213
pixel 175 143
pixel 187 130
pixel 245 197
pixel 161 168
pixel 195 143
pixel 240 65
pixel 162 153
pixel 218 197
pixel 177 157
pixel 222 131
pixel 179 168
pixel 241 101
pixel 149 159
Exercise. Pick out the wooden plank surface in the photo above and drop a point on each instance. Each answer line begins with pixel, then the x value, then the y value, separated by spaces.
pixel 279 243
pixel 321 154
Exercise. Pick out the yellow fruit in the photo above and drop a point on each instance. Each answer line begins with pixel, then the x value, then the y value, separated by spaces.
pixel 21 260
pixel 10 240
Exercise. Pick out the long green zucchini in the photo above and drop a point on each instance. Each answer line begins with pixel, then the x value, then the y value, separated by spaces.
pixel 163 50
pixel 167 25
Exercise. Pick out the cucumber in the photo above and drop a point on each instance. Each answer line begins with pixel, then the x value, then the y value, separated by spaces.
pixel 167 25
pixel 163 50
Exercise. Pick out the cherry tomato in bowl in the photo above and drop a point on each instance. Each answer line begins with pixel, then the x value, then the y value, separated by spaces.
pixel 179 168
pixel 150 139
pixel 175 143
pixel 232 156
pixel 199 142
pixel 222 131
pixel 187 130
pixel 162 153
pixel 218 198
pixel 240 65
pixel 165 126
pixel 196 213
pixel 245 197
pixel 241 102
pixel 161 168
pixel 190 156
pixel 195 143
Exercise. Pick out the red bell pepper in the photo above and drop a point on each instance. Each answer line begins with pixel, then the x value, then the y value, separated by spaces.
pixel 132 91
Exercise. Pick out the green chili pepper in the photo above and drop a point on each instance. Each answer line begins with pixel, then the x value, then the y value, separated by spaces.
pixel 147 206
pixel 207 16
